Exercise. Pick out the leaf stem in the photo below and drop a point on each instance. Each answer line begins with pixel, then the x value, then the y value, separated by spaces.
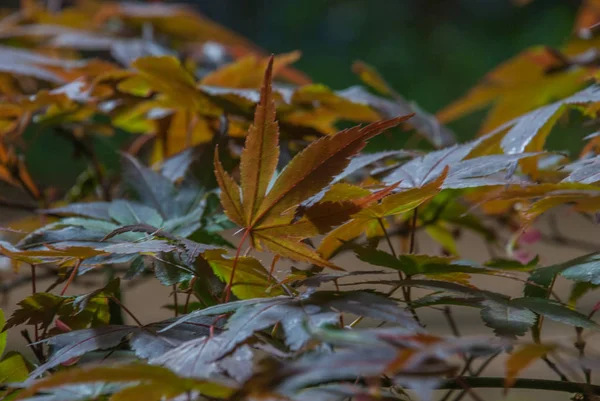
pixel 33 292
pixel 189 295
pixel 555 369
pixel 175 300
pixel 71 277
pixel 387 237
pixel 135 319
pixel 413 231
pixel 36 351
pixel 227 292
pixel 580 345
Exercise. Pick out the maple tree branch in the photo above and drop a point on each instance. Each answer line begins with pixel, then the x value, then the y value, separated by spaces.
pixel 36 332
pixel 532 384
pixel 411 250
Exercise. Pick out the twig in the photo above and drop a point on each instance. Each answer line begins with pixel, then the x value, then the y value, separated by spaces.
pixel 477 373
pixel 533 384
pixel 555 369
pixel 227 291
pixel 451 321
pixel 464 370
pixel 189 295
pixel 25 280
pixel 413 231
pixel 580 345
pixel 570 242
pixel 175 301
pixel 387 237
pixel 71 277
pixel 461 382
pixel 33 292
pixel 499 382
pixel 116 300
pixel 36 351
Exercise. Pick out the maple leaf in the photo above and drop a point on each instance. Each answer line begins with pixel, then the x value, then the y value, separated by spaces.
pixel 263 209
pixel 371 218
pixel 519 85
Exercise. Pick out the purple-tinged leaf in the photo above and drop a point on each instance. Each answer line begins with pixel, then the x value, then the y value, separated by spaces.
pixel 126 213
pixel 507 320
pixel 147 342
pixel 584 171
pixel 94 210
pixel 527 127
pixel 201 358
pixel 152 188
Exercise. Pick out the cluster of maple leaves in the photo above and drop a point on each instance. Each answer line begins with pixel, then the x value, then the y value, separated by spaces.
pixel 235 139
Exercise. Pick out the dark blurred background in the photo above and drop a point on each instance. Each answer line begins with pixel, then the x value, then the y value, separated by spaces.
pixel 432 51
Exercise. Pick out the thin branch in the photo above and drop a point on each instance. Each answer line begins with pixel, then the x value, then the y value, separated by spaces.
pixel 175 300
pixel 387 237
pixel 26 280
pixel 580 345
pixel 413 231
pixel 189 296
pixel 71 277
pixel 36 332
pixel 464 370
pixel 555 369
pixel 570 242
pixel 227 291
pixel 451 321
pixel 36 351
pixel 411 250
pixel 478 372
pixel 532 384
pixel 461 382
pixel 116 300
